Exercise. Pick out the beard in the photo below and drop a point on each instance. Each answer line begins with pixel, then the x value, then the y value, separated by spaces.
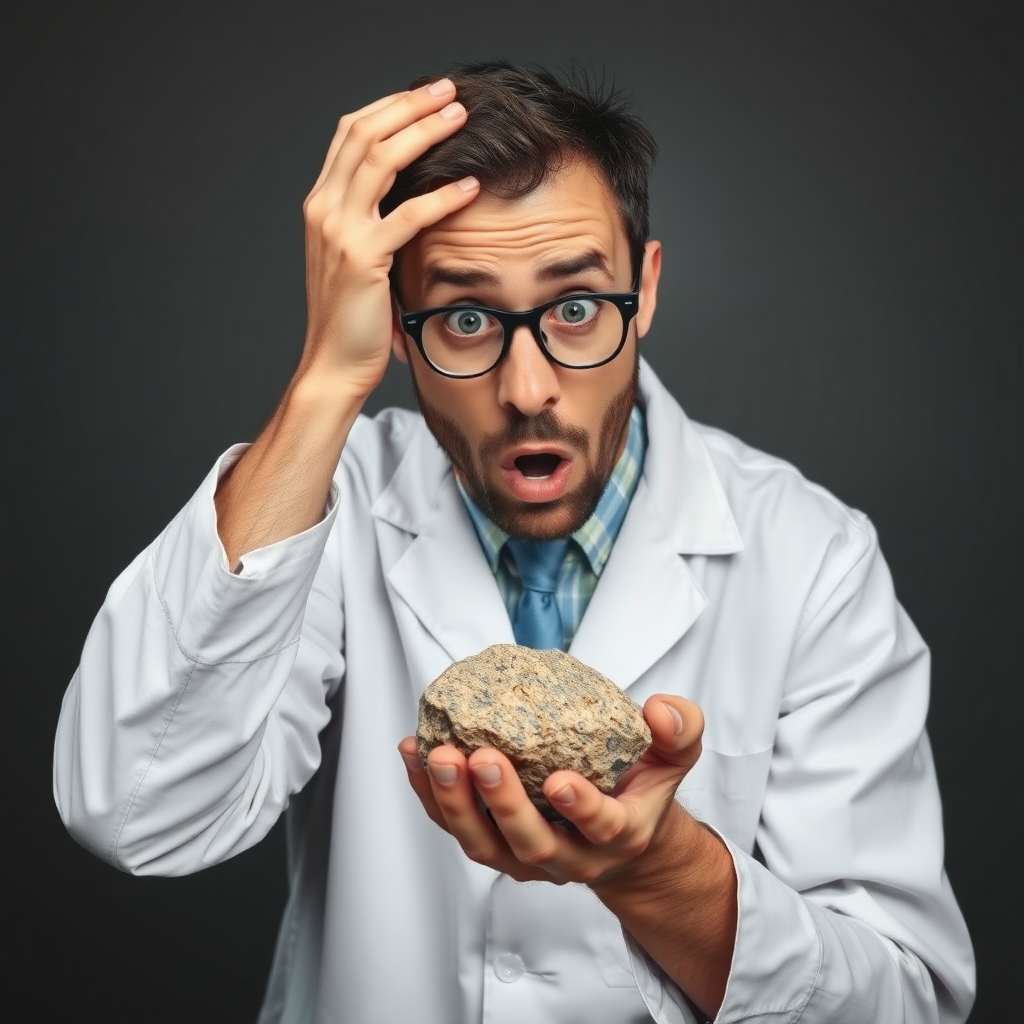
pixel 543 520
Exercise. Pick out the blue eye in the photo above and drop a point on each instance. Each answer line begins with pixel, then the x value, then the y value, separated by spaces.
pixel 575 311
pixel 466 322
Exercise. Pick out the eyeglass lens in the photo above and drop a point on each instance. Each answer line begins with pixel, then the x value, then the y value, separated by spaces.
pixel 577 332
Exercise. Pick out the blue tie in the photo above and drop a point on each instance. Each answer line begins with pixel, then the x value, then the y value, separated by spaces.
pixel 537 623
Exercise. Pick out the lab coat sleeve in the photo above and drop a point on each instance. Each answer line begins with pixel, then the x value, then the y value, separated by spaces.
pixel 851 917
pixel 195 710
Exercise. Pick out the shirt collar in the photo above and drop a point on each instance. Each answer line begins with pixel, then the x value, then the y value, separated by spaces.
pixel 597 535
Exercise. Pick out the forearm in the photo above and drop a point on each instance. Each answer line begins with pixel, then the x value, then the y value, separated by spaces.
pixel 680 906
pixel 280 486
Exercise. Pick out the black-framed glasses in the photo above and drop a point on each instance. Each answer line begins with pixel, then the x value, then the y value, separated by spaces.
pixel 578 331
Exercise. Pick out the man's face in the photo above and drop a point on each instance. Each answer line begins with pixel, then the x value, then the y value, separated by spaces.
pixel 532 442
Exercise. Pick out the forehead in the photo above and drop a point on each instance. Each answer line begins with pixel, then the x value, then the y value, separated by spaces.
pixel 572 212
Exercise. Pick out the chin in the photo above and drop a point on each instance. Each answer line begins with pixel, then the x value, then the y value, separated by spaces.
pixel 545 522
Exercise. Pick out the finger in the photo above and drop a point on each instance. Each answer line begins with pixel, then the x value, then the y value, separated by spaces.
pixel 677 726
pixel 414 215
pixel 365 132
pixel 600 819
pixel 342 131
pixel 420 781
pixel 457 799
pixel 372 178
pixel 530 837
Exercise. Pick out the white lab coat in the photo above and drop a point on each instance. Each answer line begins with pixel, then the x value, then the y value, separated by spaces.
pixel 207 702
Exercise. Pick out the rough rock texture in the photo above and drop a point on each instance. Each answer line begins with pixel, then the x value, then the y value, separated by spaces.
pixel 544 710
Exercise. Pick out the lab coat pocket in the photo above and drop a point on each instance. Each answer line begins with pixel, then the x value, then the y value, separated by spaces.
pixel 725 790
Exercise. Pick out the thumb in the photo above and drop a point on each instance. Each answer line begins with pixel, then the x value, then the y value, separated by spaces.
pixel 676 725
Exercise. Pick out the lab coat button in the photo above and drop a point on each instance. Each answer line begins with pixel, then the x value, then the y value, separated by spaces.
pixel 508 967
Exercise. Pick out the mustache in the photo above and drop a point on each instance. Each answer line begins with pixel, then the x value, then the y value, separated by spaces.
pixel 545 426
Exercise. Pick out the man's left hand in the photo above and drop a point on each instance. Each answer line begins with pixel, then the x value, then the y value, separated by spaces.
pixel 614 832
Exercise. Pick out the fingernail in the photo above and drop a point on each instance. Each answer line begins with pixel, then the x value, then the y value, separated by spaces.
pixel 677 718
pixel 440 87
pixel 445 774
pixel 468 184
pixel 452 111
pixel 412 762
pixel 564 796
pixel 487 774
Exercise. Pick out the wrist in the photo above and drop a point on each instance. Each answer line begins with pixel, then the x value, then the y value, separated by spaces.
pixel 682 854
pixel 326 397
pixel 678 901
pixel 322 369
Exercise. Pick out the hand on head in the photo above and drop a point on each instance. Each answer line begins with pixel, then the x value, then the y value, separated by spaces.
pixel 350 247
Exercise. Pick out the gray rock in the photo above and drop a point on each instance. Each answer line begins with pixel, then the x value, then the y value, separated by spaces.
pixel 544 710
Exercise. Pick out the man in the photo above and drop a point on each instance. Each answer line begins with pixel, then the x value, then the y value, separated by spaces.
pixel 777 853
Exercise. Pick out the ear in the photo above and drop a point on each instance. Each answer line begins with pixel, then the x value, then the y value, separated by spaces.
pixel 399 340
pixel 648 288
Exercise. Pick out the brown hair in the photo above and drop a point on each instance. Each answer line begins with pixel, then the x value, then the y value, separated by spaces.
pixel 523 124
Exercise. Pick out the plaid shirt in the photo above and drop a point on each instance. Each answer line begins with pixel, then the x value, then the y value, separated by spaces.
pixel 590 546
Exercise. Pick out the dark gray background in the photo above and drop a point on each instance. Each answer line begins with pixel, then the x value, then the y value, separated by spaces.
pixel 838 194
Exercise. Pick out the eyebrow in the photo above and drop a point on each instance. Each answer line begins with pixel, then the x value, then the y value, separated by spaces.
pixel 470 277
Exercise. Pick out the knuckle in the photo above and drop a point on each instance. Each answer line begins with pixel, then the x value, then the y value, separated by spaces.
pixel 359 130
pixel 590 872
pixel 376 157
pixel 611 832
pixel 408 212
pixel 480 854
pixel 332 234
pixel 538 857
pixel 312 207
pixel 424 127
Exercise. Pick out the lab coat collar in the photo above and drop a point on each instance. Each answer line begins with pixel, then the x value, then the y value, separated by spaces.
pixel 685 489
pixel 679 508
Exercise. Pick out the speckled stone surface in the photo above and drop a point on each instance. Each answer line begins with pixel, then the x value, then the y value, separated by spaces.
pixel 544 710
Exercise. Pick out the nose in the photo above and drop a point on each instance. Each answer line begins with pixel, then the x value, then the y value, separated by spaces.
pixel 527 379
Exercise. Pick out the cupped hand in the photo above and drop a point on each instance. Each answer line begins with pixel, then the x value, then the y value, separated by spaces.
pixel 613 836
pixel 350 247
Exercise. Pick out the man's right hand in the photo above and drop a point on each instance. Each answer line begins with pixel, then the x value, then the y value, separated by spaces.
pixel 350 248
pixel 280 485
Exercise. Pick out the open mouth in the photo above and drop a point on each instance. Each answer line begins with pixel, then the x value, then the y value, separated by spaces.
pixel 537 476
pixel 538 466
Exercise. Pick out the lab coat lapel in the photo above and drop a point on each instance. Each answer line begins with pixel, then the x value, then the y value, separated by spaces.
pixel 443 575
pixel 646 598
